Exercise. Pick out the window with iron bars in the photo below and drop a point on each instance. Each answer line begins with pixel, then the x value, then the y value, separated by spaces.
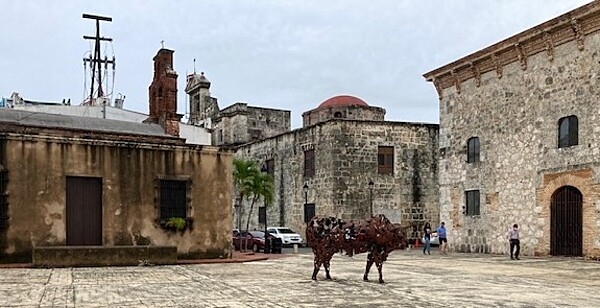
pixel 173 199
pixel 385 160
pixel 472 203
pixel 309 163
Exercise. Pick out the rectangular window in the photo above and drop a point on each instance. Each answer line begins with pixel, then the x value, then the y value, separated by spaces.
pixel 262 215
pixel 3 198
pixel 472 200
pixel 270 164
pixel 173 199
pixel 309 212
pixel 473 150
pixel 309 163
pixel 568 131
pixel 385 160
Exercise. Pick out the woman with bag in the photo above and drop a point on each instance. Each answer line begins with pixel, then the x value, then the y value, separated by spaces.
pixel 427 238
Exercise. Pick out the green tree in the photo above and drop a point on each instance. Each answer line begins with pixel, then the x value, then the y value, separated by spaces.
pixel 243 175
pixel 261 187
pixel 251 184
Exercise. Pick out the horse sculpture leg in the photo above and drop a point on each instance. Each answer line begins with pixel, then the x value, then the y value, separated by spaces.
pixel 327 265
pixel 380 270
pixel 317 265
pixel 368 268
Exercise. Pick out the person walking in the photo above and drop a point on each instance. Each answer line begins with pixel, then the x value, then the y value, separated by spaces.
pixel 441 232
pixel 515 244
pixel 427 238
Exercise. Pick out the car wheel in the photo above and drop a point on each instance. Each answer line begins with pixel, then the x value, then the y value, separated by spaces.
pixel 254 248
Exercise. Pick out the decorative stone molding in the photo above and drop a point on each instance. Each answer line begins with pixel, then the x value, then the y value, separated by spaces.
pixel 475 71
pixel 549 46
pixel 307 146
pixel 578 33
pixel 456 80
pixel 571 26
pixel 521 56
pixel 438 87
pixel 497 65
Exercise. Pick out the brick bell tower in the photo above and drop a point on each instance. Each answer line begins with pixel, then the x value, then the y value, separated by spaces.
pixel 163 93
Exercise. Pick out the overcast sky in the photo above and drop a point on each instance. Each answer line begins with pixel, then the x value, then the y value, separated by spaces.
pixel 281 54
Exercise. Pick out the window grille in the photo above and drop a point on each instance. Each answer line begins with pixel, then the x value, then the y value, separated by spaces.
pixel 309 212
pixel 173 199
pixel 472 200
pixel 309 163
pixel 473 150
pixel 385 160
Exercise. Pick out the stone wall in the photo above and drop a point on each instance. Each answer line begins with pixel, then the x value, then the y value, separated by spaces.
pixel 38 164
pixel 240 123
pixel 345 162
pixel 323 114
pixel 514 110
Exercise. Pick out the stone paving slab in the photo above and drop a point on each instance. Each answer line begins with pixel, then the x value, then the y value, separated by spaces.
pixel 412 280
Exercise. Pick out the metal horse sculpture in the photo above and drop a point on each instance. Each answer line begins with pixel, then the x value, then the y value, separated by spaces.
pixel 375 235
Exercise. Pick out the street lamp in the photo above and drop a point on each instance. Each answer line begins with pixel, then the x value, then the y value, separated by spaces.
pixel 371 195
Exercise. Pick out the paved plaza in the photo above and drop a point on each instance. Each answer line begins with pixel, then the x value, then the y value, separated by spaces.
pixel 412 280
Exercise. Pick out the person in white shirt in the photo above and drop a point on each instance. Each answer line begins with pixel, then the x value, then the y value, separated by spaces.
pixel 513 238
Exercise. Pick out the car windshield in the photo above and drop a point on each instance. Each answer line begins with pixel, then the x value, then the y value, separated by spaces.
pixel 285 230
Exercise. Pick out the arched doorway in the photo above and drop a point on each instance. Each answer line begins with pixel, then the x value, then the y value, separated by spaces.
pixel 566 217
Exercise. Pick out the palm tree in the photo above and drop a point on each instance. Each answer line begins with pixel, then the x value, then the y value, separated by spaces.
pixel 251 184
pixel 261 187
pixel 244 172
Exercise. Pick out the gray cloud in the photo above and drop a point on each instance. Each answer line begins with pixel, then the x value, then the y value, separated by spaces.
pixel 282 54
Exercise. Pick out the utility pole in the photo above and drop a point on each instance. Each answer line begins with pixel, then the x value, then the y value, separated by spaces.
pixel 96 60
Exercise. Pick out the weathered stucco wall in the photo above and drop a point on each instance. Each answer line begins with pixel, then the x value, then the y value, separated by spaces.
pixel 345 162
pixel 38 166
pixel 514 110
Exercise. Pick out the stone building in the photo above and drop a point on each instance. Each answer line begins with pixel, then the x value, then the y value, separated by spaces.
pixel 344 145
pixel 236 124
pixel 519 140
pixel 68 180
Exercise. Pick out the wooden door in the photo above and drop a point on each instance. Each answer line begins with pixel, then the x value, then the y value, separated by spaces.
pixel 84 211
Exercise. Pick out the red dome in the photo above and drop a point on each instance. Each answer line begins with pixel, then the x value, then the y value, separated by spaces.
pixel 342 100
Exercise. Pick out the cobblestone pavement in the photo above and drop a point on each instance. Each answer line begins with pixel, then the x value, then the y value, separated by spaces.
pixel 412 280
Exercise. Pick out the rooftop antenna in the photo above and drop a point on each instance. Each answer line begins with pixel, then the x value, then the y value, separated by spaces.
pixel 96 60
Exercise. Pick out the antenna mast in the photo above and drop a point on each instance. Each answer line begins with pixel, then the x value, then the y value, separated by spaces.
pixel 96 60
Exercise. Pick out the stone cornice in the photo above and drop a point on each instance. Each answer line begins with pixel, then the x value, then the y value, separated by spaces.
pixel 572 26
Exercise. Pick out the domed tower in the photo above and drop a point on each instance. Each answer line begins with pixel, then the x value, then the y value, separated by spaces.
pixel 343 107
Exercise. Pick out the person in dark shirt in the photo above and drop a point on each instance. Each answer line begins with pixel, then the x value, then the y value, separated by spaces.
pixel 441 232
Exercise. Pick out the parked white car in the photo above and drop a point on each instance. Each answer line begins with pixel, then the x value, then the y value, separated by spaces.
pixel 434 240
pixel 287 236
